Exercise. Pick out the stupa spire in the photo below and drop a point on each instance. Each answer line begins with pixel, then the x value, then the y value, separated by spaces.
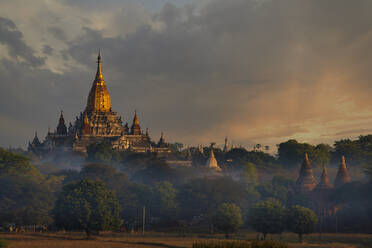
pixel 212 161
pixel 99 62
pixel 342 176
pixel 136 128
pixel 306 181
pixel 99 97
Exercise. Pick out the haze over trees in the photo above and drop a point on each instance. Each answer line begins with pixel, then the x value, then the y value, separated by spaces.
pixel 259 184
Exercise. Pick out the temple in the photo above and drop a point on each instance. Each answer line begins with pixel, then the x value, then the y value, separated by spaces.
pixel 318 196
pixel 98 123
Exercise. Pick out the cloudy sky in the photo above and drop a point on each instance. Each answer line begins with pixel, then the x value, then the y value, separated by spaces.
pixel 257 71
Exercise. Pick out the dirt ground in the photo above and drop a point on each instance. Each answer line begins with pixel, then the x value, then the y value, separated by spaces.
pixel 159 240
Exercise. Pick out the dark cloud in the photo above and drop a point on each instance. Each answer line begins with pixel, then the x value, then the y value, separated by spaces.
pixel 48 50
pixel 58 33
pixel 13 39
pixel 257 71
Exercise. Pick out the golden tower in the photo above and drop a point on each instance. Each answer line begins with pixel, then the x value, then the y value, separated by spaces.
pixel 99 97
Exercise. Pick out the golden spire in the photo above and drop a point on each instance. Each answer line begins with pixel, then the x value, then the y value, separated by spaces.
pixel 99 72
pixel 135 119
pixel 136 128
pixel 99 97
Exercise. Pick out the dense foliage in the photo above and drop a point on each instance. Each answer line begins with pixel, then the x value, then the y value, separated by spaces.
pixel 182 198
pixel 268 217
pixel 87 205
pixel 228 218
pixel 301 220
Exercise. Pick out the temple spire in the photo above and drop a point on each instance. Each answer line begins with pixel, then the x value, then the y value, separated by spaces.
pixel 99 62
pixel 342 176
pixel 136 128
pixel 99 97
pixel 61 128
pixel 324 180
pixel 306 181
pixel 225 148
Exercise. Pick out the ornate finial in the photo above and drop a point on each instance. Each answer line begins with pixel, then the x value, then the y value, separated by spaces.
pixel 99 62
pixel 135 119
pixel 35 134
pixel 147 132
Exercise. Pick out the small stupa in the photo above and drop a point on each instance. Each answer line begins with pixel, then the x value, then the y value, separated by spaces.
pixel 212 162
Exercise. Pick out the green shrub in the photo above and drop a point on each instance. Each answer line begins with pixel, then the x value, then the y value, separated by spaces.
pixel 239 244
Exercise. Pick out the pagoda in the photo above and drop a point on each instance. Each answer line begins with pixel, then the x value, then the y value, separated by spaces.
pixel 96 124
pixel 306 181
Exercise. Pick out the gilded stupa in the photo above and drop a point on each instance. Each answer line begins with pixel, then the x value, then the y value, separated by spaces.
pixel 212 162
pixel 99 97
pixel 98 123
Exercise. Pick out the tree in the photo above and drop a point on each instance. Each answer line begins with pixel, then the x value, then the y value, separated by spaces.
pixel 249 174
pixel 277 188
pixel 115 180
pixel 301 220
pixel 164 203
pixel 24 201
pixel 267 217
pixel 202 196
pixel 87 205
pixel 165 194
pixel 17 165
pixel 292 152
pixel 102 152
pixel 228 218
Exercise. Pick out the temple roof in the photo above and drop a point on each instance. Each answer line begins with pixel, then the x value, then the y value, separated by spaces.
pixel 61 128
pixel 324 183
pixel 342 176
pixel 99 97
pixel 36 141
pixel 306 181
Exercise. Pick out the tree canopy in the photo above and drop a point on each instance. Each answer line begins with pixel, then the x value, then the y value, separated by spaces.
pixel 301 220
pixel 228 218
pixel 87 205
pixel 267 217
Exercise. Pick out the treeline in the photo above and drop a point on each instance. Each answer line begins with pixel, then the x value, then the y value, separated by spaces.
pixel 178 198
pixel 186 199
pixel 358 153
